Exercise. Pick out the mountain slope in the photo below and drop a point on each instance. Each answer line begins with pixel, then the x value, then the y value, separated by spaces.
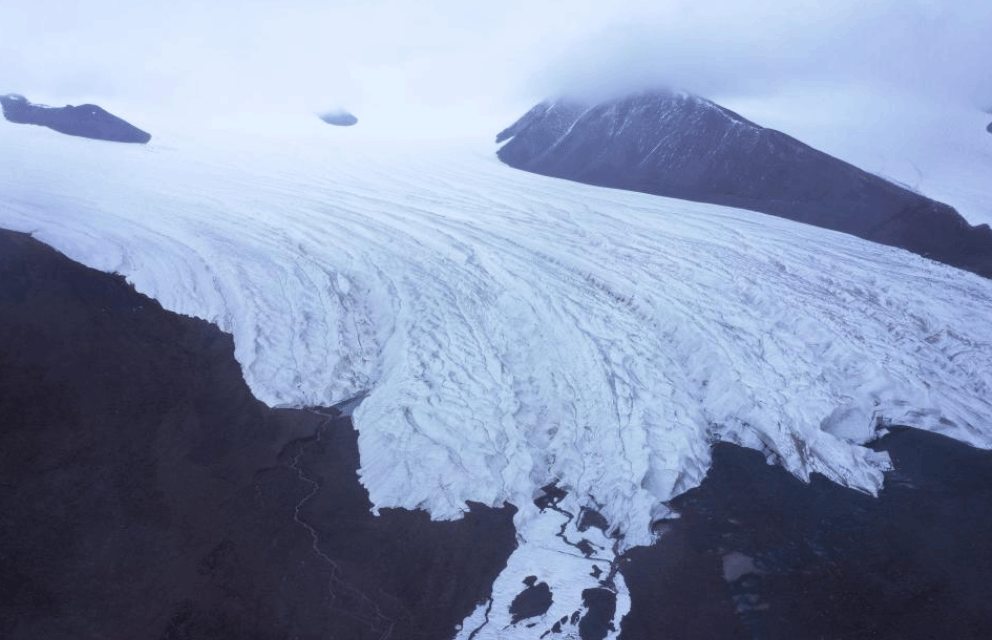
pixel 934 145
pixel 683 146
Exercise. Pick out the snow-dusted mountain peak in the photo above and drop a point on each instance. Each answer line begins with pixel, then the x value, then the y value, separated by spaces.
pixel 620 111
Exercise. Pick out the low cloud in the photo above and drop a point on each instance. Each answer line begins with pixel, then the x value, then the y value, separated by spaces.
pixel 446 65
pixel 719 49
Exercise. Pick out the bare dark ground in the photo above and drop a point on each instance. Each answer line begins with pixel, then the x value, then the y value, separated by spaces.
pixel 535 600
pixel 144 493
pixel 758 554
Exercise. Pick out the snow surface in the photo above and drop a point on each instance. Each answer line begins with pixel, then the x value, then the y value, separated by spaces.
pixel 512 329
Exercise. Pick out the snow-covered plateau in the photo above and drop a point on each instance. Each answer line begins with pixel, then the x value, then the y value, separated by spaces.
pixel 513 330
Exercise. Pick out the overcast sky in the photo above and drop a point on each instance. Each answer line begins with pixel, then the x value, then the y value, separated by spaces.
pixel 451 64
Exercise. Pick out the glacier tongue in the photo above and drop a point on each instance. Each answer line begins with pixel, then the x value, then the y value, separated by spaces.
pixel 514 330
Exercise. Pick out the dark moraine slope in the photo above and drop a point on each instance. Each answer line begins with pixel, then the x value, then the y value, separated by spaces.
pixel 757 553
pixel 680 145
pixel 145 493
pixel 86 120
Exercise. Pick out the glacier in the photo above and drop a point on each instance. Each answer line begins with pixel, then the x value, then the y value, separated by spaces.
pixel 512 330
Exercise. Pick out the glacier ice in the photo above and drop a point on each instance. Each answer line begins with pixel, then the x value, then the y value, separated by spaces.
pixel 512 330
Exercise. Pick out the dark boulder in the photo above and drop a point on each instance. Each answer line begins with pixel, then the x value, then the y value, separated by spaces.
pixel 339 118
pixel 683 146
pixel 86 120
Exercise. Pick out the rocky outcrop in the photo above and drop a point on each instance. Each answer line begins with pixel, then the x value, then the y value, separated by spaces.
pixel 339 118
pixel 86 120
pixel 683 146
pixel 147 494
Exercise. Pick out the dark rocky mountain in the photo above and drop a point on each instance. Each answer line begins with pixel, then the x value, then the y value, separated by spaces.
pixel 145 493
pixel 86 120
pixel 683 146
pixel 989 128
pixel 339 118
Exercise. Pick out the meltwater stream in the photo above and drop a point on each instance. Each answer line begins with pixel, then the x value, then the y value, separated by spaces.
pixel 513 331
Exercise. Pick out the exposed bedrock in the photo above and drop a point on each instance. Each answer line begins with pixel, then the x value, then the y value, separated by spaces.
pixel 683 146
